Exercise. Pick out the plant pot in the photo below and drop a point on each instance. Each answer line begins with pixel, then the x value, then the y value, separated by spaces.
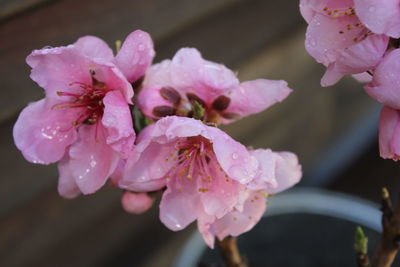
pixel 301 228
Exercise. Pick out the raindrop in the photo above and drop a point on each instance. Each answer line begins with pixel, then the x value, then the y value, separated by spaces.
pixel 235 155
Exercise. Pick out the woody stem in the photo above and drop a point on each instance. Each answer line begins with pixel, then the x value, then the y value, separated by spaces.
pixel 230 252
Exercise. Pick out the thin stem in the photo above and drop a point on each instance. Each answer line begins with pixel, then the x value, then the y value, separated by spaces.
pixel 230 252
pixel 390 239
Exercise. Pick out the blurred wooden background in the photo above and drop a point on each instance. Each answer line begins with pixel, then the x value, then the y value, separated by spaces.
pixel 326 127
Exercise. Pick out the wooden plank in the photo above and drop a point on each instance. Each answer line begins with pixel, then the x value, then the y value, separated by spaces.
pixel 9 8
pixel 64 21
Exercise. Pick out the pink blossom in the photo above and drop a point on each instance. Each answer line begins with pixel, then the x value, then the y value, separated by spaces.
pixel 285 169
pixel 136 203
pixel 380 16
pixel 171 87
pixel 389 133
pixel 84 121
pixel 386 81
pixel 338 39
pixel 208 176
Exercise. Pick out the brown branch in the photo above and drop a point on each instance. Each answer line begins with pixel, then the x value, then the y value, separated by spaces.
pixel 362 260
pixel 390 239
pixel 230 252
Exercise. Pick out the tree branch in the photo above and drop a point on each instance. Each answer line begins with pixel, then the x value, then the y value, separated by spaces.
pixel 230 252
pixel 390 239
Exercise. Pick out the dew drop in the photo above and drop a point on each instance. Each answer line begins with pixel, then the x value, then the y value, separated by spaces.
pixel 235 155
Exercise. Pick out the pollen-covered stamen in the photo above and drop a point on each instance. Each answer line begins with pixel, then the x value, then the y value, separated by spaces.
pixel 89 99
pixel 339 12
pixel 195 162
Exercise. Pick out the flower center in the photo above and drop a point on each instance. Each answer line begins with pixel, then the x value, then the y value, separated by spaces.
pixel 89 99
pixel 195 160
pixel 362 31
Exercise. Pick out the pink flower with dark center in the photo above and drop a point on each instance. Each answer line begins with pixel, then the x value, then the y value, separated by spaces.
pixel 84 121
pixel 207 175
pixel 172 86
pixel 338 39
pixel 389 133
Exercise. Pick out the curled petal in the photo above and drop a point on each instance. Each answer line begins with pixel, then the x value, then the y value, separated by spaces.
pixel 136 203
pixel 358 58
pixel 389 134
pixel 118 122
pixel 266 179
pixel 94 48
pixel 135 55
pixel 380 16
pixel 287 173
pixel 43 133
pixel 254 96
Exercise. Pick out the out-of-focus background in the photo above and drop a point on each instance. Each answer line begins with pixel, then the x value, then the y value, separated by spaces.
pixel 333 130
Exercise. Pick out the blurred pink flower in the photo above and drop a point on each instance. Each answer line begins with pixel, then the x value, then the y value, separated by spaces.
pixel 338 39
pixel 389 133
pixel 136 203
pixel 207 175
pixel 84 121
pixel 385 85
pixel 171 86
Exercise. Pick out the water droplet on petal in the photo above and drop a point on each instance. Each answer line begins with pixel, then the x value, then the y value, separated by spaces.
pixel 235 155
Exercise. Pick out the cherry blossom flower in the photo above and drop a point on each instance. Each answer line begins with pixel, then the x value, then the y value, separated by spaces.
pixel 172 86
pixel 84 122
pixel 338 39
pixel 386 81
pixel 389 133
pixel 285 169
pixel 208 176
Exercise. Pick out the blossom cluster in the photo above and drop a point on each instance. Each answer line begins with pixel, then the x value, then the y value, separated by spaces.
pixel 119 120
pixel 361 38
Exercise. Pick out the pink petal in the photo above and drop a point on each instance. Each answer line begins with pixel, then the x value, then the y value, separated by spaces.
pixel 95 48
pixel 254 96
pixel 238 222
pixel 113 78
pixel 380 16
pixel 192 74
pixel 221 196
pixel 287 173
pixel 149 98
pixel 386 81
pixel 179 205
pixel 43 133
pixel 389 134
pixel 363 77
pixel 67 186
pixel 136 203
pixel 324 40
pixel 56 69
pixel 233 157
pixel 159 75
pixel 204 224
pixel 92 161
pixel 135 55
pixel 358 58
pixel 266 179
pixel 117 120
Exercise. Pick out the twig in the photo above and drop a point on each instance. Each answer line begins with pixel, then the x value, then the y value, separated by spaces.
pixel 230 252
pixel 390 239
